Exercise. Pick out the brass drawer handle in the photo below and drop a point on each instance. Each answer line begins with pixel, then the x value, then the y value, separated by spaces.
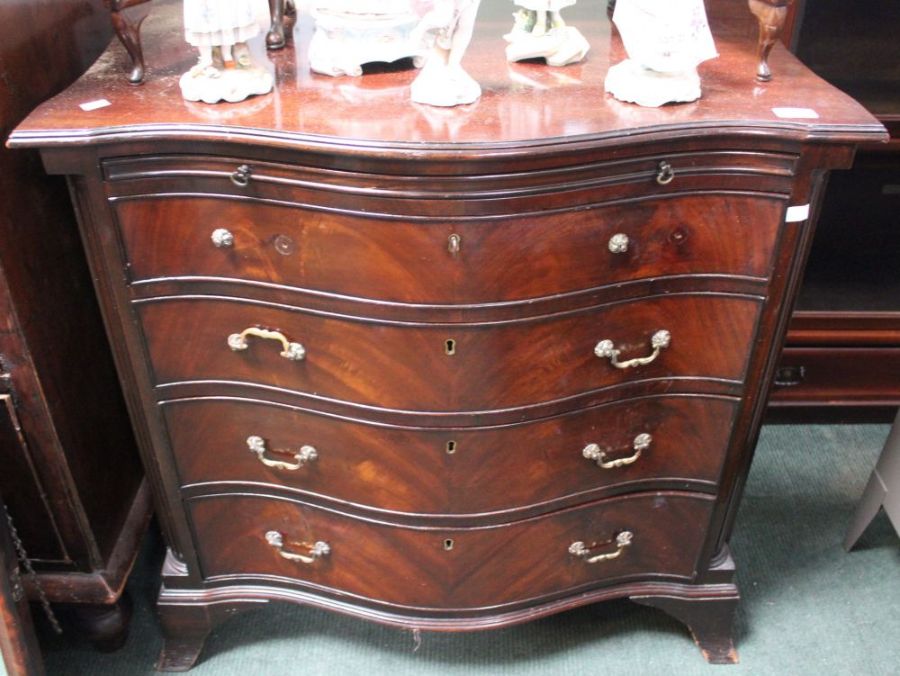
pixel 222 238
pixel 622 541
pixel 593 452
pixel 306 454
pixel 313 551
pixel 665 174
pixel 292 351
pixel 241 176
pixel 618 243
pixel 605 349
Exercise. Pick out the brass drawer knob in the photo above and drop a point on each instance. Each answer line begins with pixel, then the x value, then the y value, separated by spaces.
pixel 582 551
pixel 618 243
pixel 606 349
pixel 241 176
pixel 305 455
pixel 222 238
pixel 454 244
pixel 313 551
pixel 292 351
pixel 665 174
pixel 594 452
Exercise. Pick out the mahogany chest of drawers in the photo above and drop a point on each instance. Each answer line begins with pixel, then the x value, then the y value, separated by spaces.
pixel 447 369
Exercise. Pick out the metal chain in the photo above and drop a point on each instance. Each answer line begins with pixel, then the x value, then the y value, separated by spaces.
pixel 29 569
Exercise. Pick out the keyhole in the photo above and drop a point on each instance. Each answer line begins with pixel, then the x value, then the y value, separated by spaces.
pixel 450 347
pixel 451 447
pixel 678 237
pixel 448 544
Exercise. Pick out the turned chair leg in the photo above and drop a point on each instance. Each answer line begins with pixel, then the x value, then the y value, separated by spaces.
pixel 771 15
pixel 275 38
pixel 129 34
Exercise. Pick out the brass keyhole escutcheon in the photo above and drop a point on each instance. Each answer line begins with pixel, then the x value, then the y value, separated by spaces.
pixel 448 544
pixel 450 347
pixel 451 447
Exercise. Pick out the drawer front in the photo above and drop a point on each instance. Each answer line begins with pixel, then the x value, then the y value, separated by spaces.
pixel 453 471
pixel 462 262
pixel 837 376
pixel 450 568
pixel 449 367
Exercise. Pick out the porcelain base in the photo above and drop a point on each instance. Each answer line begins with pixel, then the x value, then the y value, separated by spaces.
pixel 629 81
pixel 341 47
pixel 444 86
pixel 560 47
pixel 232 85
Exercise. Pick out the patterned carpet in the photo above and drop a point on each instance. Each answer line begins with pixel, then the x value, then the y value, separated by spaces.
pixel 808 607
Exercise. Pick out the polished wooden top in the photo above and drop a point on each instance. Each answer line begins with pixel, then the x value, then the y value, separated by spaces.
pixel 524 104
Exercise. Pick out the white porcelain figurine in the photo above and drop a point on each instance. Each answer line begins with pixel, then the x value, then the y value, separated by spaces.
pixel 226 69
pixel 666 40
pixel 435 33
pixel 540 32
pixel 350 33
pixel 446 27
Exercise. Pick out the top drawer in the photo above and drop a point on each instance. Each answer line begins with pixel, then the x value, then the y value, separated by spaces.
pixel 454 234
pixel 469 261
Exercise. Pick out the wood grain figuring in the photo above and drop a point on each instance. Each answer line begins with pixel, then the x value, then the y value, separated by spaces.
pixel 342 199
pixel 493 367
pixel 485 568
pixel 509 259
pixel 414 471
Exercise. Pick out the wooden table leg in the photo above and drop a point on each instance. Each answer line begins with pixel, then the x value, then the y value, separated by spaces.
pixel 275 39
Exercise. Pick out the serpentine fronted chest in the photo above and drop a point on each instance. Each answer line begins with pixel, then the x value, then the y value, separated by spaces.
pixel 447 369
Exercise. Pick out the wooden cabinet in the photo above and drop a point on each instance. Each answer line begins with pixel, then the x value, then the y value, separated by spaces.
pixel 843 346
pixel 19 651
pixel 70 474
pixel 447 369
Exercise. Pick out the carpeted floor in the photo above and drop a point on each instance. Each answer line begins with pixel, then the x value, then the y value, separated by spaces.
pixel 808 607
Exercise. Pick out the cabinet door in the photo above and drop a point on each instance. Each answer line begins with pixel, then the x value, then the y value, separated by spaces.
pixel 20 486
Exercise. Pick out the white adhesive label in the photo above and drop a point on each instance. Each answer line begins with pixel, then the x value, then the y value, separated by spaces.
pixel 797 214
pixel 796 113
pixel 94 105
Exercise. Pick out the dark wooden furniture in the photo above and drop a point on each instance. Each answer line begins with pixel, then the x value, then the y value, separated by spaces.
pixel 843 346
pixel 128 30
pixel 20 654
pixel 772 17
pixel 70 472
pixel 371 348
